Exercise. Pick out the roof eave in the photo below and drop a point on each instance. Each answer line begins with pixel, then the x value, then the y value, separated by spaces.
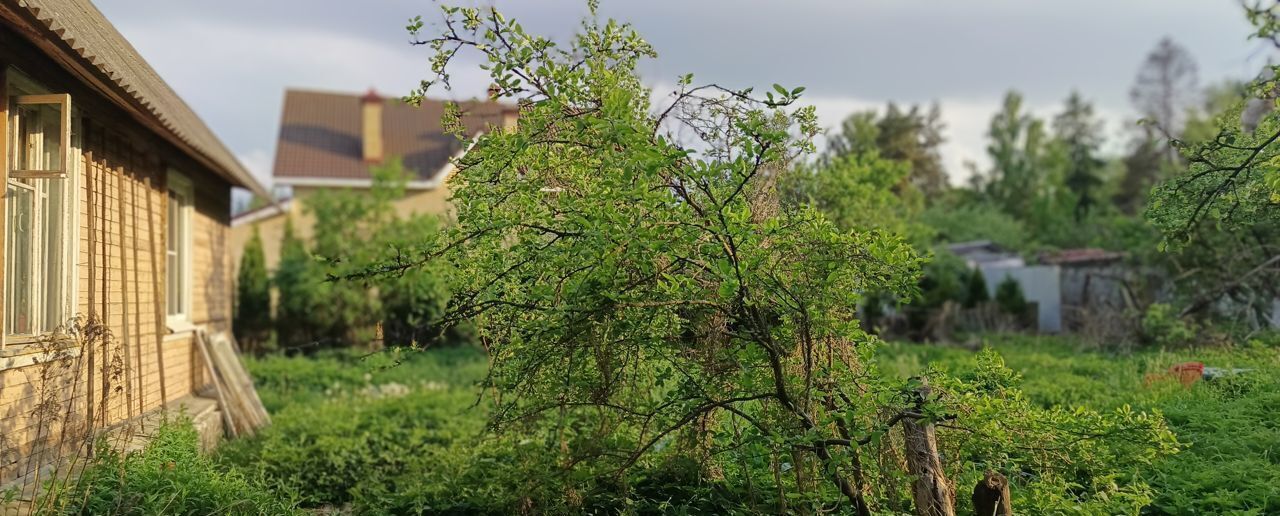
pixel 51 41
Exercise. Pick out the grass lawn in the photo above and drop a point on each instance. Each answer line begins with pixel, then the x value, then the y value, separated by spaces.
pixel 393 434
pixel 1230 427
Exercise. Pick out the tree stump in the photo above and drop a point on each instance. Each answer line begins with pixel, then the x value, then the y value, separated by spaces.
pixel 931 492
pixel 991 496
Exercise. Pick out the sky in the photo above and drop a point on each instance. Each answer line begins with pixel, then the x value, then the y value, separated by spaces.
pixel 232 60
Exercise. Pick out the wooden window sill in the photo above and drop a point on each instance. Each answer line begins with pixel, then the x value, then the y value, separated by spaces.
pixel 26 352
pixel 179 329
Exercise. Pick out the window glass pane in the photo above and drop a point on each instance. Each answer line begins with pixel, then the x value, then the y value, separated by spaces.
pixel 172 292
pixel 174 216
pixel 19 212
pixel 176 260
pixel 38 131
pixel 54 244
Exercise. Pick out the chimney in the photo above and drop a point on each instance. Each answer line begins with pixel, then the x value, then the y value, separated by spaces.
pixel 371 126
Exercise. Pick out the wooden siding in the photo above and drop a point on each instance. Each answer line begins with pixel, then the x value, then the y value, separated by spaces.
pixel 120 271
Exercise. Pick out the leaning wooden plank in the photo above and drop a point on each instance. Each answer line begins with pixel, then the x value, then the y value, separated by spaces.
pixel 231 394
pixel 257 405
pixel 239 385
pixel 244 382
pixel 217 387
pixel 235 401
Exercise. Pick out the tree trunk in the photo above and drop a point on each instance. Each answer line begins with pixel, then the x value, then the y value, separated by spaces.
pixel 932 494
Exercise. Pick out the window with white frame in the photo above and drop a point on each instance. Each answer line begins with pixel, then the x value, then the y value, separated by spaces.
pixel 178 249
pixel 39 200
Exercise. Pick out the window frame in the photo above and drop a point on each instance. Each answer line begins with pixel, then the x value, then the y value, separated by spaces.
pixel 63 101
pixel 16 86
pixel 180 185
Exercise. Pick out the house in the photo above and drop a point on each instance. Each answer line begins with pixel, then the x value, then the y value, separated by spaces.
pixel 985 253
pixel 1039 283
pixel 116 213
pixel 332 140
pixel 1068 286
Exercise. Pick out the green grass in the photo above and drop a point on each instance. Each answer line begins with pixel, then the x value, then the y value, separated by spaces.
pixel 169 476
pixel 302 380
pixel 1230 428
pixel 359 433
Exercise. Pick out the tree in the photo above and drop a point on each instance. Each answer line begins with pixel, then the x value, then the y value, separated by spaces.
pixel 252 321
pixel 297 281
pixel 1222 210
pixel 1148 162
pixel 976 289
pixel 1166 86
pixel 1017 150
pixel 1142 169
pixel 1080 134
pixel 645 295
pixel 913 136
pixel 858 191
pixel 413 303
pixel 1010 298
pixel 353 228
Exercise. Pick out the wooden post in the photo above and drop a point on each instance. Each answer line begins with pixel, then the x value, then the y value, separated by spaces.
pixel 157 299
pixel 991 496
pixel 124 285
pixel 931 492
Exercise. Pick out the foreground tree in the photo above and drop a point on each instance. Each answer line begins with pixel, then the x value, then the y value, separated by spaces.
pixel 1223 210
pixel 646 297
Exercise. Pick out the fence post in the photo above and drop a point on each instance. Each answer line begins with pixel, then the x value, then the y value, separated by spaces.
pixel 931 492
pixel 991 496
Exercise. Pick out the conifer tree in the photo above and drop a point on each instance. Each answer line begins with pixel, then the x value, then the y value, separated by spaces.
pixel 252 324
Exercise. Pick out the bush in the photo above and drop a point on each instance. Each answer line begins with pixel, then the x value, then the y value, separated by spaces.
pixel 1225 426
pixel 1161 326
pixel 170 476
pixel 390 440
pixel 297 381
pixel 410 439
pixel 414 301
pixel 1009 297
pixel 976 291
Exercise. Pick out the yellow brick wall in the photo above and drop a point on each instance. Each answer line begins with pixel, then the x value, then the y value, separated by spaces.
pixel 120 268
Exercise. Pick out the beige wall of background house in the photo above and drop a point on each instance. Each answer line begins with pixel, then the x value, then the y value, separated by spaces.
pixel 434 201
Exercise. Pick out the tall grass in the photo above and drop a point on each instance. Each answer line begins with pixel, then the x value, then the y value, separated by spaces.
pixel 1230 463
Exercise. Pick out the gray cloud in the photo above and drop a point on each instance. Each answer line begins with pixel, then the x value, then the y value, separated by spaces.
pixel 232 59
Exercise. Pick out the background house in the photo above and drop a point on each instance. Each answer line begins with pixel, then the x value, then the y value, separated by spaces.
pixel 1068 287
pixel 331 140
pixel 117 210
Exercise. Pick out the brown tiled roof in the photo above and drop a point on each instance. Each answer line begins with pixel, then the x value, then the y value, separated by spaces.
pixel 86 35
pixel 1080 256
pixel 320 135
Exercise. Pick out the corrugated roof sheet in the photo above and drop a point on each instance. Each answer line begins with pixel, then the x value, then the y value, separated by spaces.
pixel 321 135
pixel 84 28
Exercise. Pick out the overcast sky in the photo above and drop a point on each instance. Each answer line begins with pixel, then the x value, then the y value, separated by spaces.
pixel 232 59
